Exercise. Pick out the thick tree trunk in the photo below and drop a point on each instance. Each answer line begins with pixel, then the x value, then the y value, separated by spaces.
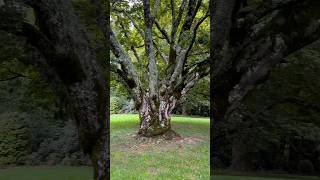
pixel 240 161
pixel 153 123
pixel 244 49
pixel 100 156
pixel 63 55
pixel 88 105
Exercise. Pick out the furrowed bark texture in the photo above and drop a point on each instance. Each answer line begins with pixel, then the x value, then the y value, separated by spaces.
pixel 156 102
pixel 246 45
pixel 62 53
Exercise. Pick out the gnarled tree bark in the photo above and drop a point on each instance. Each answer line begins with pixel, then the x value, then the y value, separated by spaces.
pixel 246 45
pixel 156 102
pixel 62 53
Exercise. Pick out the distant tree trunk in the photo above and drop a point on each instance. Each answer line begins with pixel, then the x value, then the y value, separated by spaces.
pixel 245 45
pixel 184 110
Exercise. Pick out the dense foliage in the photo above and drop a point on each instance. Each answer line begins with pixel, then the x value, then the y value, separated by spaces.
pixel 34 127
pixel 196 102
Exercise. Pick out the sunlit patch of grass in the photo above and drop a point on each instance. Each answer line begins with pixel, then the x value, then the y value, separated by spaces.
pixel 186 158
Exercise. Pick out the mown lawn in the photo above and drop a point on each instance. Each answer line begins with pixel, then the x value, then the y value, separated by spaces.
pixel 132 159
pixel 185 158
pixel 224 174
pixel 280 177
pixel 182 158
pixel 46 173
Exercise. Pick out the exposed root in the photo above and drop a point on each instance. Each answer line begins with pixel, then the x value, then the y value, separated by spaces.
pixel 168 140
pixel 168 135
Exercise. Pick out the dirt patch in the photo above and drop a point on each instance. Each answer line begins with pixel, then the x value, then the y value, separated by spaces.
pixel 190 140
pixel 143 144
pixel 152 171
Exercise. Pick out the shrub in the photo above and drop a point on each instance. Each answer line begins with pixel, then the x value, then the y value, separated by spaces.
pixel 33 159
pixel 14 137
pixel 305 166
pixel 121 104
pixel 76 159
pixel 114 105
pixel 53 158
pixel 128 107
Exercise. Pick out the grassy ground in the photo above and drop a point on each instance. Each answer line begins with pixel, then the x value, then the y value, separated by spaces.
pixel 259 178
pixel 226 174
pixel 132 159
pixel 265 177
pixel 46 173
pixel 182 158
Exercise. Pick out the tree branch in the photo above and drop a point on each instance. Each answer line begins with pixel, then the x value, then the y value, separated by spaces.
pixel 153 70
pixel 192 11
pixel 193 74
pixel 155 9
pixel 162 55
pixel 135 53
pixel 194 31
pixel 265 9
pixel 16 75
pixel 132 80
pixel 280 44
pixel 173 13
pixel 140 31
pixel 163 32
pixel 176 22
pixel 126 72
pixel 13 77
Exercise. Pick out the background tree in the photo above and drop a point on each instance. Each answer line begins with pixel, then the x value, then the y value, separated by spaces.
pixel 174 57
pixel 249 38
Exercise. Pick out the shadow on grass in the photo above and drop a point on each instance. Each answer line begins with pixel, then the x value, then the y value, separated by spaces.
pixel 234 175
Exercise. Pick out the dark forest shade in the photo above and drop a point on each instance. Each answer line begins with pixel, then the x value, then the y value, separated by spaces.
pixel 249 39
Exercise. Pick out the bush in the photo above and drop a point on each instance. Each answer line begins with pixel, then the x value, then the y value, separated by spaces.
pixel 76 159
pixel 54 158
pixel 14 137
pixel 128 107
pixel 33 159
pixel 305 166
pixel 114 105
pixel 64 149
pixel 121 104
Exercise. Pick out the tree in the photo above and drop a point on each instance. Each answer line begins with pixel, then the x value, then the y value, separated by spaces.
pixel 248 38
pixel 171 71
pixel 58 46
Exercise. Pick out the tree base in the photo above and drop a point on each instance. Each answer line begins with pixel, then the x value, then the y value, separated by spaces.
pixel 168 135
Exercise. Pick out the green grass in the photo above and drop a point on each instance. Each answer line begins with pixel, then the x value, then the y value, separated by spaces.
pixel 224 174
pixel 244 178
pixel 46 173
pixel 187 158
pixel 276 177
pixel 132 159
